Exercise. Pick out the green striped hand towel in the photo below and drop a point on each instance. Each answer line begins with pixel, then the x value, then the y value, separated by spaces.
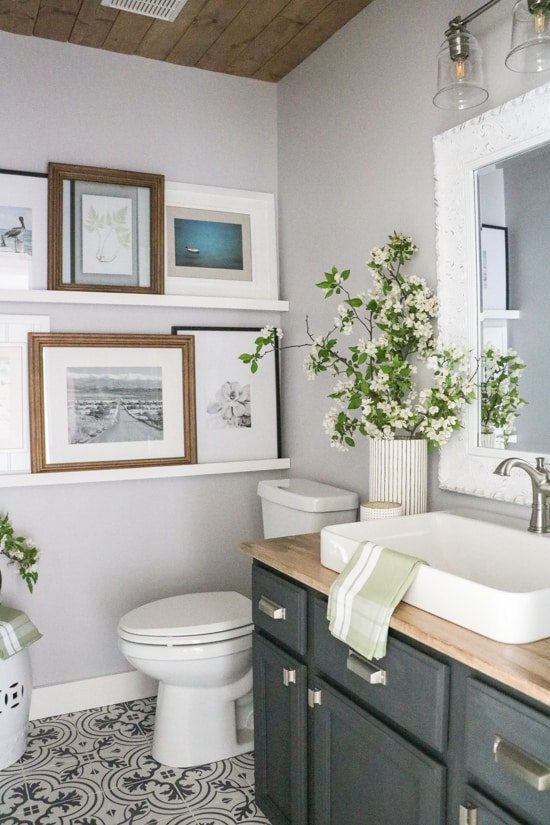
pixel 16 631
pixel 365 594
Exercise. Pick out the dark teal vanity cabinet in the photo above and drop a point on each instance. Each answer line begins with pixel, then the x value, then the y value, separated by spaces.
pixel 415 739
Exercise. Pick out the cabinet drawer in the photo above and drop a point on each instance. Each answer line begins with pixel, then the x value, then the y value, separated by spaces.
pixel 486 813
pixel 415 695
pixel 508 749
pixel 280 607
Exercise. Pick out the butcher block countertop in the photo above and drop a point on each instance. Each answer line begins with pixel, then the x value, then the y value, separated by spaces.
pixel 525 668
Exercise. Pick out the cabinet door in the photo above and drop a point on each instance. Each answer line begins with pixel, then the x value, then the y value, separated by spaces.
pixel 280 740
pixel 365 774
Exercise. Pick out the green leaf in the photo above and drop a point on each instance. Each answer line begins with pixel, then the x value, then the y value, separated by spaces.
pixel 254 366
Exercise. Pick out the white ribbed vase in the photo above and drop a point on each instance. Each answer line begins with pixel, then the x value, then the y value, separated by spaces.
pixel 398 471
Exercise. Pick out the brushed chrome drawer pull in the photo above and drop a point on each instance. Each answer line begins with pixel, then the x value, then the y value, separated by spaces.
pixel 313 697
pixel 289 677
pixel 467 815
pixel 271 609
pixel 522 765
pixel 365 669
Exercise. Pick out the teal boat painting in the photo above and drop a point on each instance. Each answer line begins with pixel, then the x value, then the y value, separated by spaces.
pixel 208 244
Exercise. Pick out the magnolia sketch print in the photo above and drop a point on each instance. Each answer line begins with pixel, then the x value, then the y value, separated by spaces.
pixel 232 406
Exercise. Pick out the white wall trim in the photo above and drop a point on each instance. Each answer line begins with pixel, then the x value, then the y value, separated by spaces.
pixel 68 697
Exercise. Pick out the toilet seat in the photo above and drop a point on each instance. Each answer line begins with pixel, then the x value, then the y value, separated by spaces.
pixel 194 618
pixel 180 641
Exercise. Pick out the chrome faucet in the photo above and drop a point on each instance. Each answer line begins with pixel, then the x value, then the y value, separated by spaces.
pixel 540 480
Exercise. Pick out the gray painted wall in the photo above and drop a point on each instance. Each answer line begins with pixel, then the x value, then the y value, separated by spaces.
pixel 108 547
pixel 356 123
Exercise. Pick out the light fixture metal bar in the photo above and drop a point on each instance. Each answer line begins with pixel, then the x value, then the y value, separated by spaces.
pixel 481 10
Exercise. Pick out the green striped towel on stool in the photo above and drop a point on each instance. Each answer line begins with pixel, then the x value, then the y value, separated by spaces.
pixel 365 594
pixel 16 631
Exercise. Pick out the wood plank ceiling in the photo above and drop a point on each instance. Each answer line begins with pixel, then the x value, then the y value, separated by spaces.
pixel 264 39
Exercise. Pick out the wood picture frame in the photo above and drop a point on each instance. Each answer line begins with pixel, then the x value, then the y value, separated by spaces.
pixel 104 401
pixel 237 411
pixel 106 229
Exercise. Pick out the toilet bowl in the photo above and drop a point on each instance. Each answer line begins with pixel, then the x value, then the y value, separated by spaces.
pixel 199 648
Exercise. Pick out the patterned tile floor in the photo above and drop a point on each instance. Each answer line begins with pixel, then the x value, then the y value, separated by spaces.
pixel 95 768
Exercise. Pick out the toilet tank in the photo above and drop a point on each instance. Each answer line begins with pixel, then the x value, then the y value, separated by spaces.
pixel 292 506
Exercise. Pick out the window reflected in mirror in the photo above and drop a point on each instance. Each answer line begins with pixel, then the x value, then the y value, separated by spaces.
pixel 513 199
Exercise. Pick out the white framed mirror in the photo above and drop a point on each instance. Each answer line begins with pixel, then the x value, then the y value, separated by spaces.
pixel 492 195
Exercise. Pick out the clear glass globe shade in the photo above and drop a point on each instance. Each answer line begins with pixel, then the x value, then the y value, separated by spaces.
pixel 460 81
pixel 530 50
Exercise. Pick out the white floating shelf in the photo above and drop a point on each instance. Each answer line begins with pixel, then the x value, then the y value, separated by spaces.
pixel 141 473
pixel 47 296
pixel 500 315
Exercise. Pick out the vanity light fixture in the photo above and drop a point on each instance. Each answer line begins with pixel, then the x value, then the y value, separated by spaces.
pixel 460 81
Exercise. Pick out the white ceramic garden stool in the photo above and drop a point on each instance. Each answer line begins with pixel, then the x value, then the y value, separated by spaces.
pixel 15 700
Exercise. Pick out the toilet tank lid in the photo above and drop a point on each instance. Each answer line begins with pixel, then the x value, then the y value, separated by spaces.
pixel 189 615
pixel 308 496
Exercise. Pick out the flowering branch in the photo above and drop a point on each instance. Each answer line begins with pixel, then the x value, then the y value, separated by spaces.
pixel 376 393
pixel 499 388
pixel 19 551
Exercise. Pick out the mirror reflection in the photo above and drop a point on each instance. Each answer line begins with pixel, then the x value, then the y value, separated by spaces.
pixel 513 198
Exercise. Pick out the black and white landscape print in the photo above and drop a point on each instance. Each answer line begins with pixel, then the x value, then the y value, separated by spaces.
pixel 114 404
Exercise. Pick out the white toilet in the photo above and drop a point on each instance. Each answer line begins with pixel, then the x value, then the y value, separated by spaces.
pixel 199 645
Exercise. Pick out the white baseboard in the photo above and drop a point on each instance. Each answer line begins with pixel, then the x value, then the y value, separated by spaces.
pixel 69 697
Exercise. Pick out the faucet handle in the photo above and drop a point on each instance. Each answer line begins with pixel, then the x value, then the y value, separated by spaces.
pixel 541 466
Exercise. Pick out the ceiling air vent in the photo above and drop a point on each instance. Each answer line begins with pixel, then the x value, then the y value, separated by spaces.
pixel 160 9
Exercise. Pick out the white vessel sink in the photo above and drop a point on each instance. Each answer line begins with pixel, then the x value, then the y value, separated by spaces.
pixel 491 579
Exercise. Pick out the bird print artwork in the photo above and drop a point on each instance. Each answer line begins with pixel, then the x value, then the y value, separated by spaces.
pixel 15 234
pixel 16 247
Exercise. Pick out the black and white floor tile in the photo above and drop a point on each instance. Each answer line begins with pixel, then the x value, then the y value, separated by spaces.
pixel 95 768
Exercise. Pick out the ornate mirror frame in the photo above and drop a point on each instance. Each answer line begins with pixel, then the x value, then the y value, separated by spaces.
pixel 517 126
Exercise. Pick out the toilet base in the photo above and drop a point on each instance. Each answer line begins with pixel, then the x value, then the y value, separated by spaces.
pixel 196 726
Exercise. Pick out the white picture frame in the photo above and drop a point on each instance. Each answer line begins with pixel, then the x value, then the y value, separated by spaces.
pixel 249 429
pixel 24 214
pixel 15 456
pixel 253 211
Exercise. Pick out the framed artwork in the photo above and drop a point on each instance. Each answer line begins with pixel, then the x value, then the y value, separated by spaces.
pixel 494 267
pixel 105 401
pixel 220 242
pixel 237 411
pixel 23 230
pixel 106 229
pixel 15 456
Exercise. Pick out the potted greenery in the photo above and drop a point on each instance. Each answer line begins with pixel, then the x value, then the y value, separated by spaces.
pixel 20 552
pixel 396 383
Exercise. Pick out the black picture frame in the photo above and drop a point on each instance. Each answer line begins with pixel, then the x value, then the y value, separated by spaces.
pixel 268 374
pixel 494 267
